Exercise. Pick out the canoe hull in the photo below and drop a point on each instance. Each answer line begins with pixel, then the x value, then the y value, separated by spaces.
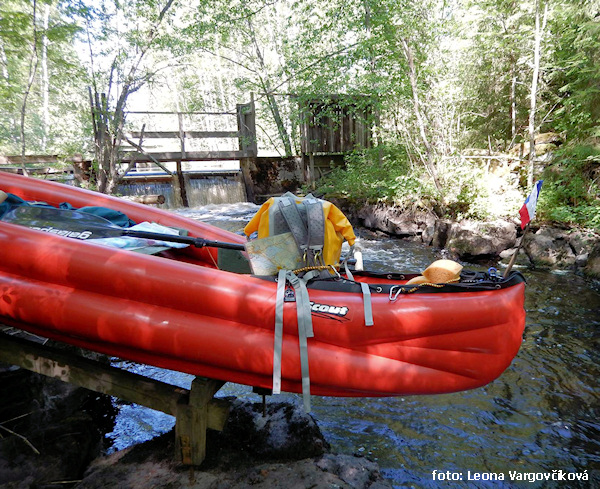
pixel 187 316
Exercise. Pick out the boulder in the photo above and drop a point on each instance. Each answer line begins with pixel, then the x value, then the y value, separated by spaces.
pixel 592 267
pixel 395 220
pixel 54 429
pixel 582 241
pixel 283 431
pixel 475 240
pixel 550 248
pixel 441 232
pixel 278 449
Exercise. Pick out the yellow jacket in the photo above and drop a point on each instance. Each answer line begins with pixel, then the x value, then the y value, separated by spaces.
pixel 337 227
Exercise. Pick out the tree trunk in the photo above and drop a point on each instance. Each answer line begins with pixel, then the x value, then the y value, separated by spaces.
pixel 4 62
pixel 110 125
pixel 272 102
pixel 220 74
pixel 45 80
pixel 429 160
pixel 513 104
pixel 33 64
pixel 534 83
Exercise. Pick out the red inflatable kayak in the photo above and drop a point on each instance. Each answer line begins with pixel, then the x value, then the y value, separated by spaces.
pixel 179 311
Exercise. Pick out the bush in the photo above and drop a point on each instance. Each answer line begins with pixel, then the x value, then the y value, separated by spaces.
pixel 571 193
pixel 473 191
pixel 380 174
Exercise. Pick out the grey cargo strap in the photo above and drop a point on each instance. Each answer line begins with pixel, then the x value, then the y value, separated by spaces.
pixel 368 306
pixel 307 227
pixel 305 330
pixel 366 293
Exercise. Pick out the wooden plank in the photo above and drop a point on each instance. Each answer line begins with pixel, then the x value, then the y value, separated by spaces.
pixel 40 159
pixel 187 134
pixel 189 156
pixel 103 378
pixel 90 374
pixel 175 113
pixel 150 199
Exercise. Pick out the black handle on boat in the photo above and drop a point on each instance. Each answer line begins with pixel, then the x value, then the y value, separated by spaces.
pixel 83 225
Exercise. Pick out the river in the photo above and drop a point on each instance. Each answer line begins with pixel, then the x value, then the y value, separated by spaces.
pixel 541 416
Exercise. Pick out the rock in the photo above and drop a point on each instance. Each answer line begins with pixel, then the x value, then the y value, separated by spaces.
pixel 581 260
pixel 52 418
pixel 474 240
pixel 284 432
pixel 522 260
pixel 249 452
pixel 592 268
pixel 482 241
pixel 441 231
pixel 395 220
pixel 550 248
pixel 428 235
pixel 582 241
pixel 340 471
pixel 357 472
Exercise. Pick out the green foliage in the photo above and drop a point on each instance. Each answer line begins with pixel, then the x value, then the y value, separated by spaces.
pixel 40 72
pixel 380 174
pixel 571 191
pixel 575 75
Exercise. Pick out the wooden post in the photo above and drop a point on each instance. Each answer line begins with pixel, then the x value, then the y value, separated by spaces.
pixel 246 120
pixel 246 166
pixel 181 134
pixel 195 410
pixel 193 420
pixel 182 189
pixel 311 171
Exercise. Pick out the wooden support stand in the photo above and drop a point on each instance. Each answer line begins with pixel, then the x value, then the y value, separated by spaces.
pixel 195 410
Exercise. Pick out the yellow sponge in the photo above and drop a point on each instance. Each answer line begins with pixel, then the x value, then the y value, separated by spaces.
pixel 443 271
pixel 439 272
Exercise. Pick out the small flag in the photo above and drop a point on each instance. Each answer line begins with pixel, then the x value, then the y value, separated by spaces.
pixel 527 212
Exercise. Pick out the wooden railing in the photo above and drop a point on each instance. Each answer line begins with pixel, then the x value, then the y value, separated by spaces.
pixel 245 135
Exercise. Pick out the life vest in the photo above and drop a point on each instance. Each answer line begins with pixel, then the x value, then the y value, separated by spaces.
pixel 318 227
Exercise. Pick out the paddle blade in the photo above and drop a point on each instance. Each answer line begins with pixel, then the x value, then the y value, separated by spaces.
pixel 63 222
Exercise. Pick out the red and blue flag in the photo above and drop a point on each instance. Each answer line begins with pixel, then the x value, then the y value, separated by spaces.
pixel 527 212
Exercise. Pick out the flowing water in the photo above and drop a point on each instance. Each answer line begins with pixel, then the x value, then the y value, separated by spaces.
pixel 539 419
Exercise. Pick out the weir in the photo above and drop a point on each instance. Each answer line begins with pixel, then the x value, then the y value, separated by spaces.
pixel 200 188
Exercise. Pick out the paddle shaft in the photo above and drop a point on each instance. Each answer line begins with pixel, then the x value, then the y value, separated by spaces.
pixel 513 258
pixel 198 242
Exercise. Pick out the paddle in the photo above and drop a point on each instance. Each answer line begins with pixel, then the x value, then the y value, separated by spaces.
pixel 83 225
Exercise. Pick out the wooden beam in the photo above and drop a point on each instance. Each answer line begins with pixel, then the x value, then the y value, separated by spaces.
pixel 189 156
pixel 41 159
pixel 104 378
pixel 187 134
pixel 175 113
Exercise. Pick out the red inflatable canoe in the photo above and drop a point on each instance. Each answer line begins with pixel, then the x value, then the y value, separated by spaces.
pixel 179 311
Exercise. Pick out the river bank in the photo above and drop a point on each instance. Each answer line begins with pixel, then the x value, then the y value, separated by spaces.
pixel 544 247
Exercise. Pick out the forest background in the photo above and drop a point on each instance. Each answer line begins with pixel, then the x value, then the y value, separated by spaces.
pixel 440 78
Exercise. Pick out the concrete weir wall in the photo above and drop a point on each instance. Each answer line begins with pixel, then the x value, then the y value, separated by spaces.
pixel 268 176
